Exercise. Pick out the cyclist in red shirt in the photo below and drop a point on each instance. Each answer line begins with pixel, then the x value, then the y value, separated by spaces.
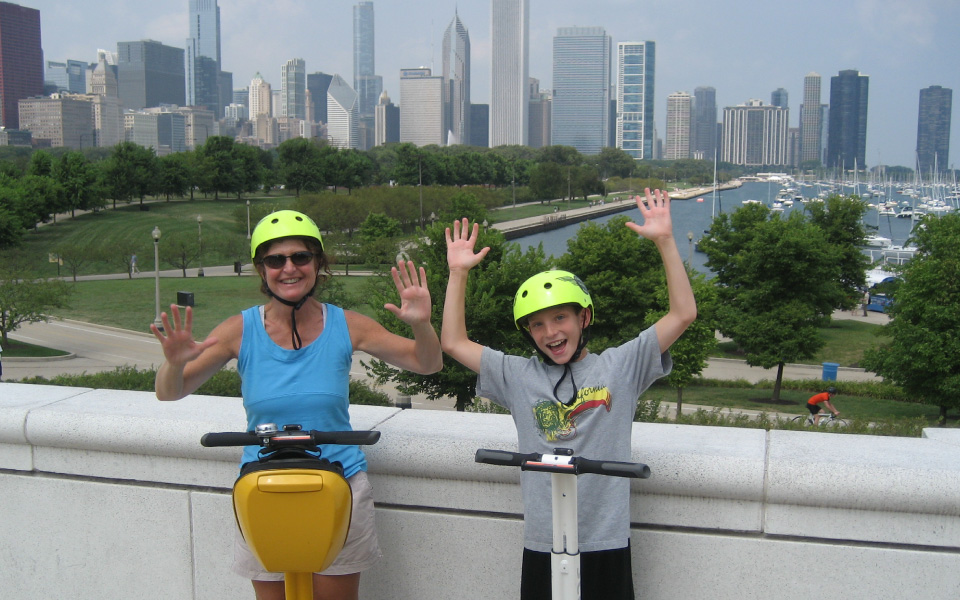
pixel 813 404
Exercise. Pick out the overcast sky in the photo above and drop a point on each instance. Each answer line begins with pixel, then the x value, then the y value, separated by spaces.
pixel 744 49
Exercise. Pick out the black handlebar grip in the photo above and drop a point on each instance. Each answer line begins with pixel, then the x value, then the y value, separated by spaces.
pixel 346 438
pixel 503 458
pixel 613 468
pixel 230 438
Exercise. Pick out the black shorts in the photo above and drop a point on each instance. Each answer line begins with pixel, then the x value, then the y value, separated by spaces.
pixel 813 408
pixel 604 575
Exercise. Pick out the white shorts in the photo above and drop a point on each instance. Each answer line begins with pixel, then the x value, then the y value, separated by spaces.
pixel 360 552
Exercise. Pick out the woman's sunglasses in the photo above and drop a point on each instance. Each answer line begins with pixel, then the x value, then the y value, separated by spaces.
pixel 277 261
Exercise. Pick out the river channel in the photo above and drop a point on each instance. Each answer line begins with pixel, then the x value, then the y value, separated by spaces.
pixel 692 217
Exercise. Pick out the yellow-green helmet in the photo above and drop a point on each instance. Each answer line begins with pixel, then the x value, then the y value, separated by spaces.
pixel 282 224
pixel 548 289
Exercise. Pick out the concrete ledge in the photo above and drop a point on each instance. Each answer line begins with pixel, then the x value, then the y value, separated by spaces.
pixel 86 472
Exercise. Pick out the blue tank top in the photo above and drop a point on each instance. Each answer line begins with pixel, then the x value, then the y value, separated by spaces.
pixel 309 386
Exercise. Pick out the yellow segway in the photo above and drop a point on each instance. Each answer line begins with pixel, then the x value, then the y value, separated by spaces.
pixel 293 507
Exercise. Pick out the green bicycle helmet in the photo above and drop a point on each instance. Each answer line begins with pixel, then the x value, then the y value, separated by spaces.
pixel 548 289
pixel 281 224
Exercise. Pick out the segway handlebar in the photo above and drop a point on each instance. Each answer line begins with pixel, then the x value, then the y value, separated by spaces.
pixel 289 437
pixel 562 462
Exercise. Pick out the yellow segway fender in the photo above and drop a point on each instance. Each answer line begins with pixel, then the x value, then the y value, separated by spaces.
pixel 293 520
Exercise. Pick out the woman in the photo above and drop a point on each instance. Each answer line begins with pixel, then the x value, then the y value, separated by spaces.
pixel 294 355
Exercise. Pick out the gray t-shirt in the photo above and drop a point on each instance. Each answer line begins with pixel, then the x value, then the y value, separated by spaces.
pixel 597 425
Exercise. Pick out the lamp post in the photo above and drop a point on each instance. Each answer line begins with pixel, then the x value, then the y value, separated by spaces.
pixel 156 269
pixel 200 243
pixel 690 249
pixel 248 219
pixel 420 186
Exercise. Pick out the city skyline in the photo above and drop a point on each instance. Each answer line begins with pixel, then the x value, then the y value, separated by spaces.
pixel 743 54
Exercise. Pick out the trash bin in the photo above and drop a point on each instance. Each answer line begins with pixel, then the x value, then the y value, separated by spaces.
pixel 402 402
pixel 184 298
pixel 830 371
pixel 236 267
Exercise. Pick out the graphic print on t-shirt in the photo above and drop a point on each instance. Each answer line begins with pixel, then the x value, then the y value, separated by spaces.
pixel 557 421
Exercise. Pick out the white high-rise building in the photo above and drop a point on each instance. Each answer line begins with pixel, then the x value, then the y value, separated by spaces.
pixel 342 115
pixel 635 75
pixel 456 82
pixel 421 107
pixel 510 60
pixel 677 143
pixel 293 90
pixel 755 134
pixel 581 88
pixel 260 97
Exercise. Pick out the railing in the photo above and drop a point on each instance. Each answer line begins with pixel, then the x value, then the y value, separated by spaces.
pixel 108 494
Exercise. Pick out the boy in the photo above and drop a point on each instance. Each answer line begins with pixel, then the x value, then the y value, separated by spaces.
pixel 572 398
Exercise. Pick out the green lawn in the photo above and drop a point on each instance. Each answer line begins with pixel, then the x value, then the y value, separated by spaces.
pixel 129 227
pixel 131 304
pixel 846 341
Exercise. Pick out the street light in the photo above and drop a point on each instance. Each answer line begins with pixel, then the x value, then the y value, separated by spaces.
pixel 200 242
pixel 156 269
pixel 248 219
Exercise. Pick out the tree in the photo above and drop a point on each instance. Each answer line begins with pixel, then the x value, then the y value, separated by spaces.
pixel 130 172
pixel 378 236
pixel 173 175
pixel 179 251
pixel 76 256
pixel 622 270
pixel 614 162
pixel 841 219
pixel 779 283
pixel 545 179
pixel 78 183
pixel 489 309
pixel 691 351
pixel 923 356
pixel 217 166
pixel 24 300
pixel 300 165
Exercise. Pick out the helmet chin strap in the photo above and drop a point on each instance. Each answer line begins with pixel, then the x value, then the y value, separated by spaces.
pixel 295 306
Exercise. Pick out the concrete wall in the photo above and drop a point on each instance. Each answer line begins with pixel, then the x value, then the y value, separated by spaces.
pixel 108 494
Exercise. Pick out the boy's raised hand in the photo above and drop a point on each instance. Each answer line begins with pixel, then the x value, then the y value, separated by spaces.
pixel 460 246
pixel 657 223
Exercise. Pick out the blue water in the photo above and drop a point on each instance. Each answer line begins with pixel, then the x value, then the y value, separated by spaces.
pixel 690 216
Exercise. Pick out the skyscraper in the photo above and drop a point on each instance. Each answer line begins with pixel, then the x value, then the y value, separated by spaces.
pixel 811 123
pixel 421 107
pixel 581 88
pixel 317 85
pixel 755 135
pixel 540 112
pixel 677 143
pixel 387 121
pixel 456 82
pixel 202 56
pixel 260 97
pixel 149 74
pixel 510 60
pixel 366 83
pixel 704 135
pixel 342 114
pixel 933 129
pixel 635 75
pixel 780 97
pixel 293 90
pixel 21 60
pixel 847 138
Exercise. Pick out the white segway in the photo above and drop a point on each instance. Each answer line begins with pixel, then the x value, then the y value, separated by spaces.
pixel 564 468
